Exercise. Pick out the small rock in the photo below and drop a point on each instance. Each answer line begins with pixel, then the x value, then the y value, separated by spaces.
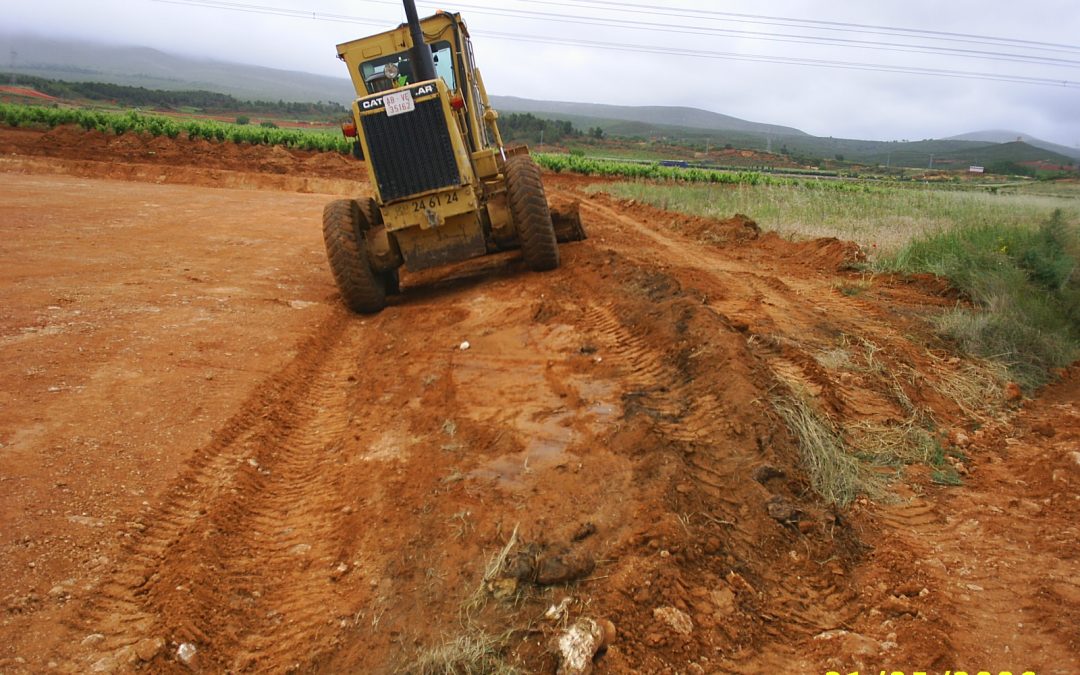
pixel 554 569
pixel 909 589
pixel 1030 507
pixel 676 619
pixel 147 648
pixel 464 345
pixel 897 606
pixel 503 588
pixel 1013 392
pixel 724 601
pixel 610 633
pixel 92 639
pixel 186 652
pixel 765 472
pixel 1076 458
pixel 960 439
pixel 781 509
pixel 585 531
pixel 339 571
pixel 300 549
pixel 86 520
pixel 851 643
pixel 557 612
pixel 1045 429
pixel 578 645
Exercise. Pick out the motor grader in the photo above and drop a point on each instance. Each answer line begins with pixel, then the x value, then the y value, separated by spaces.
pixel 446 188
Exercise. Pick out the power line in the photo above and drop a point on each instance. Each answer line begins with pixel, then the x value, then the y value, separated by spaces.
pixel 771 37
pixel 792 60
pixel 737 56
pixel 822 24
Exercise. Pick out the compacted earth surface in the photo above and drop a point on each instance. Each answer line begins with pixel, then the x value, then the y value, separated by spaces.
pixel 208 465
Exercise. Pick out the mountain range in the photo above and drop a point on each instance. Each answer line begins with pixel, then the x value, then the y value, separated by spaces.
pixel 154 69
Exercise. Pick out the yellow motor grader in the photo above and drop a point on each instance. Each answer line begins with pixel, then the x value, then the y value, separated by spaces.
pixel 446 187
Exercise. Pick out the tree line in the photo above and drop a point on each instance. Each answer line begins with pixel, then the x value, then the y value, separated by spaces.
pixel 205 101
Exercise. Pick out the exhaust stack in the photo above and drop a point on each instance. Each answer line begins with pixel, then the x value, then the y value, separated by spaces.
pixel 423 64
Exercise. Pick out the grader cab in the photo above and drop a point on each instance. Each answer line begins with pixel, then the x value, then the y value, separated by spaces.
pixel 446 187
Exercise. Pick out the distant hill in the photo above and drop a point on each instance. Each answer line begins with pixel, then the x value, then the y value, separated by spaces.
pixel 1005 136
pixel 692 118
pixel 145 67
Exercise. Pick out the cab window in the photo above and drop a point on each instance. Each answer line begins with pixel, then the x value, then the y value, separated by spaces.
pixel 377 77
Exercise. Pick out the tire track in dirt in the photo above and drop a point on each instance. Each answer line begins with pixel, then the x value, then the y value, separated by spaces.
pixel 692 413
pixel 215 563
pixel 1002 549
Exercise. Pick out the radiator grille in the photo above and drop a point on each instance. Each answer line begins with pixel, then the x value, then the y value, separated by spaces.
pixel 411 152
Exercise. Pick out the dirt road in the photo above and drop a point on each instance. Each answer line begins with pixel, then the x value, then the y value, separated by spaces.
pixel 200 448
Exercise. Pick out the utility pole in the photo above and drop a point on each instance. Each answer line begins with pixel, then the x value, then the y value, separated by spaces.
pixel 541 139
pixel 931 161
pixel 14 57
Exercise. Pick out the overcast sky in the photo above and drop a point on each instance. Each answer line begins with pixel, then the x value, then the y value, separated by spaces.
pixel 825 101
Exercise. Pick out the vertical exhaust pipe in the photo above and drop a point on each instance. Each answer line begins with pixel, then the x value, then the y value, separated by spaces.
pixel 423 64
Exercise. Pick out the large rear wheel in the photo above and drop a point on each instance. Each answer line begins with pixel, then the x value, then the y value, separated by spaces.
pixel 362 288
pixel 529 210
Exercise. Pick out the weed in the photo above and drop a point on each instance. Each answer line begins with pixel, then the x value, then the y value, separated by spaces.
pixel 492 570
pixel 974 385
pixel 1025 284
pixel 946 475
pixel 473 653
pixel 835 474
pixel 838 358
pixel 894 445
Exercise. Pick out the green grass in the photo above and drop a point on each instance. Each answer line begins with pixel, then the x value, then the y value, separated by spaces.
pixel 1025 283
pixel 882 219
pixel 157 125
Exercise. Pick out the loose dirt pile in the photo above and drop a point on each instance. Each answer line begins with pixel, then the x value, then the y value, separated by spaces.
pixel 206 463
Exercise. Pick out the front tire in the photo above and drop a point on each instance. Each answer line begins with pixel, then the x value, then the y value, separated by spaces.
pixel 362 288
pixel 529 210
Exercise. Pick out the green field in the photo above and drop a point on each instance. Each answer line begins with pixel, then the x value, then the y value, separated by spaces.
pixel 162 125
pixel 881 218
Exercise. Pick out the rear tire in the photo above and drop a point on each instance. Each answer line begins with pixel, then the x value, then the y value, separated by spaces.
pixel 362 289
pixel 529 210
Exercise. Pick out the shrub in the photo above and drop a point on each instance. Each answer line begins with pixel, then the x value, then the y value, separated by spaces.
pixel 1025 285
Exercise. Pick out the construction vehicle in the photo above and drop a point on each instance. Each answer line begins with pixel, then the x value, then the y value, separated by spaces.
pixel 446 187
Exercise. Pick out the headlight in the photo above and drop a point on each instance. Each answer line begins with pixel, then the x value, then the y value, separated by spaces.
pixel 390 70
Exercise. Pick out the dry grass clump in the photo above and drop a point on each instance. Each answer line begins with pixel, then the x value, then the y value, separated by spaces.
pixel 835 473
pixel 471 653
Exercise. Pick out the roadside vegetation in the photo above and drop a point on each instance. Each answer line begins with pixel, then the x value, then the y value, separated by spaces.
pixel 1024 280
pixel 160 125
pixel 881 218
pixel 1014 254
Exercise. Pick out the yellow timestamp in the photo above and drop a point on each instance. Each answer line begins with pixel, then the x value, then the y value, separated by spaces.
pixel 930 672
